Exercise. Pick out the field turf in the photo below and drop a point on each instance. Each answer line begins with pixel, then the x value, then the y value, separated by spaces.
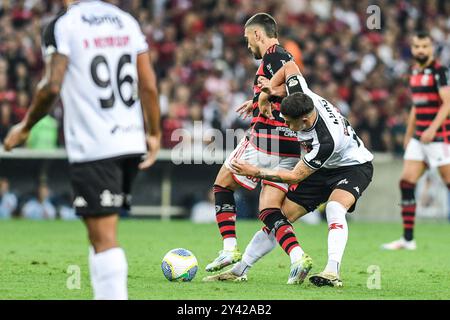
pixel 35 257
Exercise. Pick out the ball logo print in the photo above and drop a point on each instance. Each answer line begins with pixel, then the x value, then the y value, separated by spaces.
pixel 179 265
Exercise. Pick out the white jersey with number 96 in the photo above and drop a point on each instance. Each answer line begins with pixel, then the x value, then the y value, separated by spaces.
pixel 102 113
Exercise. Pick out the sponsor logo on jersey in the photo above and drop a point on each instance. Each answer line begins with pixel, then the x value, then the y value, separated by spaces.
pixel 98 20
pixel 317 162
pixel 356 189
pixel 343 181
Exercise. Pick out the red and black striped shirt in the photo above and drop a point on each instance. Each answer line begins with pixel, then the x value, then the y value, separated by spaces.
pixel 425 85
pixel 272 135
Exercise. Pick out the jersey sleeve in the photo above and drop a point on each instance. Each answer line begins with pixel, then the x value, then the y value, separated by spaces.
pixel 274 61
pixel 320 153
pixel 139 39
pixel 443 77
pixel 56 38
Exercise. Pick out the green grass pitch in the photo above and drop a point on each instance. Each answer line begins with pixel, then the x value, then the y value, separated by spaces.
pixel 35 256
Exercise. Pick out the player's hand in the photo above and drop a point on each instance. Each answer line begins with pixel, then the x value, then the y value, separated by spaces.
pixel 264 85
pixel 154 144
pixel 428 135
pixel 266 109
pixel 17 135
pixel 245 109
pixel 243 168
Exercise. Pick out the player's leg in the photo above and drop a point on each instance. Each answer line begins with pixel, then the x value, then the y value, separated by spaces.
pixel 98 200
pixel 412 171
pixel 347 185
pixel 107 261
pixel 263 242
pixel 224 187
pixel 444 171
pixel 413 168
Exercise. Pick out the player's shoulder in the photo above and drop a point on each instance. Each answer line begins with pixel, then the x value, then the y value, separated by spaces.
pixel 439 67
pixel 277 51
pixel 48 35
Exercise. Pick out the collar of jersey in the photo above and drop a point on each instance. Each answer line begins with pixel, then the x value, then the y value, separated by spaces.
pixel 314 124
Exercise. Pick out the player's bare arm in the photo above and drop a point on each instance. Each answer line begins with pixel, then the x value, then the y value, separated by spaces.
pixel 46 94
pixel 275 86
pixel 429 134
pixel 148 93
pixel 294 176
pixel 411 127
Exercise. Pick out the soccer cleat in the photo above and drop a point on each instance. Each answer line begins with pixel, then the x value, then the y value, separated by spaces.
pixel 325 279
pixel 226 276
pixel 300 269
pixel 400 244
pixel 224 259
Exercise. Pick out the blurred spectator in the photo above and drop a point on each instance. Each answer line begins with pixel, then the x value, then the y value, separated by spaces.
pixel 8 200
pixel 39 208
pixel 7 119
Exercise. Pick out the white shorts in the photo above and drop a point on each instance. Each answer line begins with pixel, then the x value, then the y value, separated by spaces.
pixel 435 154
pixel 247 151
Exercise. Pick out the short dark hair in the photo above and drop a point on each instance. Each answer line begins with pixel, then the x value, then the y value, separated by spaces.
pixel 266 21
pixel 422 34
pixel 297 105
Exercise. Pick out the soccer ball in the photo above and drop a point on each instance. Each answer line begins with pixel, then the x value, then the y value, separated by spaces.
pixel 179 265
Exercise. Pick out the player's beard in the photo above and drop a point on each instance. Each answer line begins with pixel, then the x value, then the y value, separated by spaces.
pixel 421 59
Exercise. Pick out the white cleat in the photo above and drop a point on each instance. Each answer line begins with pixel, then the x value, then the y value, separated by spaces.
pixel 225 258
pixel 228 276
pixel 299 270
pixel 400 244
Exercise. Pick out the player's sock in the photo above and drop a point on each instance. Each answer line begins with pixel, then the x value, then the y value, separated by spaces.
pixel 261 244
pixel 226 216
pixel 408 209
pixel 274 219
pixel 91 269
pixel 110 271
pixel 337 235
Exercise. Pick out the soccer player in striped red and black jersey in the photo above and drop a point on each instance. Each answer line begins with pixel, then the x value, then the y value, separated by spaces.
pixel 427 139
pixel 269 143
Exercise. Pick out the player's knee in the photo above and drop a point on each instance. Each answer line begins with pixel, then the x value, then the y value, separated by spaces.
pixel 335 211
pixel 273 218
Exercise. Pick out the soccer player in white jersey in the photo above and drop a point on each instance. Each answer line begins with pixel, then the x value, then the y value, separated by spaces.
pixel 97 58
pixel 335 168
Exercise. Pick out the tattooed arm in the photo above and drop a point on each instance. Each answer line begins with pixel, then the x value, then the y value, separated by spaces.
pixel 296 175
pixel 46 93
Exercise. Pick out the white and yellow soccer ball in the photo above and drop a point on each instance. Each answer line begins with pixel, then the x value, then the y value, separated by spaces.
pixel 179 265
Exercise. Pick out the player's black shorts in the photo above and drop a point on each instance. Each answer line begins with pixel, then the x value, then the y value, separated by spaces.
pixel 103 187
pixel 318 187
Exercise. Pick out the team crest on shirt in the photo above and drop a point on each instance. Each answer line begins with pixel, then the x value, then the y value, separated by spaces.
pixel 306 145
pixel 425 81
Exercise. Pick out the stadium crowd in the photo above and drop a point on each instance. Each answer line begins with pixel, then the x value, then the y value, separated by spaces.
pixel 205 71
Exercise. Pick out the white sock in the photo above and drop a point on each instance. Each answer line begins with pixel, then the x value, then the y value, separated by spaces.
pixel 260 245
pixel 110 272
pixel 337 235
pixel 91 269
pixel 229 244
pixel 296 254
